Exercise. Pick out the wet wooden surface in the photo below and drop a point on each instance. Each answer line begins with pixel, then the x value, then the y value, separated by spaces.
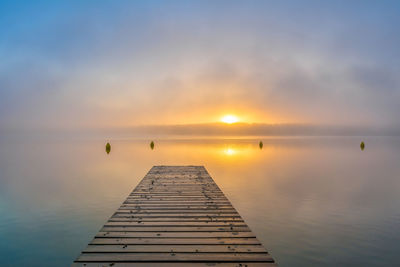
pixel 176 216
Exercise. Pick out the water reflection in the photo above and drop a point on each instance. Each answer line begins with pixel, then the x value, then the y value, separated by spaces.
pixel 311 201
pixel 229 151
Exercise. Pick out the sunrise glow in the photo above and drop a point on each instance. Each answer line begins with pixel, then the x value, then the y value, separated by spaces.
pixel 229 151
pixel 229 119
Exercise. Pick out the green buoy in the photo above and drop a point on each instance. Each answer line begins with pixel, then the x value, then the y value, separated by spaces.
pixel 261 144
pixel 108 148
pixel 152 145
pixel 362 145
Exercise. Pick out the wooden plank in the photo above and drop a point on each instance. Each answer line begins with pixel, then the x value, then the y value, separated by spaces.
pixel 177 223
pixel 186 188
pixel 191 190
pixel 167 206
pixel 175 257
pixel 175 241
pixel 185 216
pixel 157 207
pixel 154 208
pixel 177 199
pixel 131 210
pixel 181 211
pixel 173 264
pixel 200 212
pixel 176 248
pixel 176 187
pixel 175 234
pixel 163 219
pixel 180 198
pixel 179 193
pixel 199 215
pixel 209 203
pixel 175 228
pixel 162 184
pixel 176 216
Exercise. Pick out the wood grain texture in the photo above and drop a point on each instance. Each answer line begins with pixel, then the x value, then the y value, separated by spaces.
pixel 176 216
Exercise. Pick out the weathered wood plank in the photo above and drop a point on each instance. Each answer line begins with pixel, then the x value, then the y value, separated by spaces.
pixel 175 234
pixel 181 211
pixel 171 228
pixel 175 241
pixel 186 203
pixel 176 223
pixel 163 219
pixel 175 257
pixel 179 198
pixel 176 248
pixel 151 205
pixel 174 264
pixel 155 208
pixel 179 193
pixel 176 216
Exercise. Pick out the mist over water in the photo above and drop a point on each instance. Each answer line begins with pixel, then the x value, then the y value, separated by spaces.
pixel 310 200
pixel 246 76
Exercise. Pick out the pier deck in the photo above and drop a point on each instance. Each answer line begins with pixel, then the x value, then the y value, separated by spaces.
pixel 176 216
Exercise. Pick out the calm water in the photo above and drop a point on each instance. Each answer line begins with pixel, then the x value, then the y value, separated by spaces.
pixel 311 201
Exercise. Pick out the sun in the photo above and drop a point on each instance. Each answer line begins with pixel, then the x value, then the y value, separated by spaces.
pixel 229 119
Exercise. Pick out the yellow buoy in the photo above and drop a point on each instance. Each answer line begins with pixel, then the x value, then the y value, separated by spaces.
pixel 362 145
pixel 108 148
pixel 261 144
pixel 152 145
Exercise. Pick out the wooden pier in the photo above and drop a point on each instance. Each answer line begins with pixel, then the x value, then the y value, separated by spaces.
pixel 176 216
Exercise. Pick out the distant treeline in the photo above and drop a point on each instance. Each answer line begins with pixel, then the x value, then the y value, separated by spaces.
pixel 257 129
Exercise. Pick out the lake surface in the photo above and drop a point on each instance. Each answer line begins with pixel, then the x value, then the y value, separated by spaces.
pixel 312 201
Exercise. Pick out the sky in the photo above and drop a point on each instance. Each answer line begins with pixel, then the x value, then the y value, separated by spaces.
pixel 105 64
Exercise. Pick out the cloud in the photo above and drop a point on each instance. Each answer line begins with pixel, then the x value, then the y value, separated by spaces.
pixel 133 63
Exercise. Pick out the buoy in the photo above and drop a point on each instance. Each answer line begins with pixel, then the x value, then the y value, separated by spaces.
pixel 261 144
pixel 152 145
pixel 108 148
pixel 362 145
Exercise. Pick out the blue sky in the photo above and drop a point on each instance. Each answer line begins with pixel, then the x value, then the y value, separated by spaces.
pixel 74 64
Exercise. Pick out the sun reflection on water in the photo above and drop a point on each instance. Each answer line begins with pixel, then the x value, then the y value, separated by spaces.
pixel 229 151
